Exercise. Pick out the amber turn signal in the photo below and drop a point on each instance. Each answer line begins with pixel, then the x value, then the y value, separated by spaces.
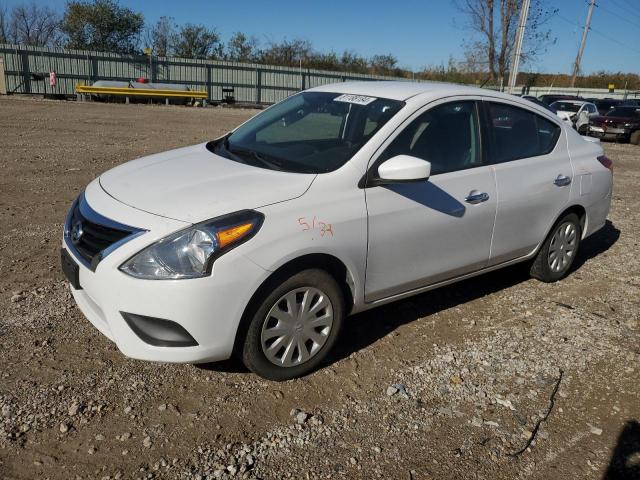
pixel 230 235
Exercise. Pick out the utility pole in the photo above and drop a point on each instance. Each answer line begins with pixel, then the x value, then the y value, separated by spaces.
pixel 587 26
pixel 517 49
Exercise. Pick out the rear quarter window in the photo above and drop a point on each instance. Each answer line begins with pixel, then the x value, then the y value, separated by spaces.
pixel 518 133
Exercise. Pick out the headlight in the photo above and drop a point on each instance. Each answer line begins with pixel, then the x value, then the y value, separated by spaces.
pixel 190 253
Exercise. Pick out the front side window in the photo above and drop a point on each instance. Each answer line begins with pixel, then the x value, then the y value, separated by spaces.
pixel 311 132
pixel 447 136
pixel 517 133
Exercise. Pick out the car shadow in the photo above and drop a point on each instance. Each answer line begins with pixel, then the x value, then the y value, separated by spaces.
pixel 361 330
pixel 625 459
pixel 431 196
pixel 364 329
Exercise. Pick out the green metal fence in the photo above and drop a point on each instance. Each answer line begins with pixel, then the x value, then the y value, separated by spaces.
pixel 27 71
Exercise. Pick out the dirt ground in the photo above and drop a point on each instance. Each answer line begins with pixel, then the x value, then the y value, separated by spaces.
pixel 478 365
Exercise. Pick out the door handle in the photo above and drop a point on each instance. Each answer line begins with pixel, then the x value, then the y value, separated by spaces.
pixel 476 197
pixel 562 180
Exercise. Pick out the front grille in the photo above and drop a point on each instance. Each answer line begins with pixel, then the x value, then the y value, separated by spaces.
pixel 89 234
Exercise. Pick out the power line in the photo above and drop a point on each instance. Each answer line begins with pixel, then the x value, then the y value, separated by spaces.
pixel 637 25
pixel 603 35
pixel 626 9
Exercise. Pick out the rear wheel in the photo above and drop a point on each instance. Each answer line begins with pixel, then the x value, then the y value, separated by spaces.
pixel 294 326
pixel 559 250
pixel 635 138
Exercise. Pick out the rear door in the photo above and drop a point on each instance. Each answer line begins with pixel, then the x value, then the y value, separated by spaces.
pixel 533 177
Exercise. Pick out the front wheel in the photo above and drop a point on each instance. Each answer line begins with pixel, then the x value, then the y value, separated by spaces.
pixel 559 250
pixel 294 326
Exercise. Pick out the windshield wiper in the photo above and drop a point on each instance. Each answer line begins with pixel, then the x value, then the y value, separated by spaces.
pixel 245 152
pixel 256 156
pixel 246 155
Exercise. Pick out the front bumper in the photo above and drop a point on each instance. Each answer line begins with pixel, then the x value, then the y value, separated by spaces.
pixel 208 308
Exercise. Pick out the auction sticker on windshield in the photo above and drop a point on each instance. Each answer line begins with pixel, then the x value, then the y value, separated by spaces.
pixel 357 99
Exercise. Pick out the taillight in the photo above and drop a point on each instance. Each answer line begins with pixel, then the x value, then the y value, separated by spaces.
pixel 606 162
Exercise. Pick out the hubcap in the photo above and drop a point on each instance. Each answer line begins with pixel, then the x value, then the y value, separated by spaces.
pixel 297 326
pixel 563 247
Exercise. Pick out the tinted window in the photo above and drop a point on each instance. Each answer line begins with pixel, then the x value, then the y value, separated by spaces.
pixel 604 105
pixel 446 136
pixel 518 133
pixel 591 108
pixel 624 112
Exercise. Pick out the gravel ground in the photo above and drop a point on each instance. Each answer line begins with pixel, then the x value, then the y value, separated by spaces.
pixel 498 377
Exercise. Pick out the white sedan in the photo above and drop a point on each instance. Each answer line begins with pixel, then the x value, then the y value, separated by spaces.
pixel 576 113
pixel 336 200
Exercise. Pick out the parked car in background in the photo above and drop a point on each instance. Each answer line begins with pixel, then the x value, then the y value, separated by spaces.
pixel 548 99
pixel 604 104
pixel 575 113
pixel 336 200
pixel 622 123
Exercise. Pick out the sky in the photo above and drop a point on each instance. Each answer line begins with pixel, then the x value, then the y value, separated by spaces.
pixel 417 32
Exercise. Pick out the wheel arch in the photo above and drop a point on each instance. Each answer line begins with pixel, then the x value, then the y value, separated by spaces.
pixel 580 211
pixel 323 261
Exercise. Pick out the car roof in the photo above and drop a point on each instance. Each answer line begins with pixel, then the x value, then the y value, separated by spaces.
pixel 401 90
pixel 404 90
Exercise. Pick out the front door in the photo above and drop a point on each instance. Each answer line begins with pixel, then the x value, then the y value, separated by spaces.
pixel 425 232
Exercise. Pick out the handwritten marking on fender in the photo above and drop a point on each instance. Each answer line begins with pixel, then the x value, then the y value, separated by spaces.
pixel 324 228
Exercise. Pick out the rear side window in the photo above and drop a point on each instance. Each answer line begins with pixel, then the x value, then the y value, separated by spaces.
pixel 517 133
pixel 446 136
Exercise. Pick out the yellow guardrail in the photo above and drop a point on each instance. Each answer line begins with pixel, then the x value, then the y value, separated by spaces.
pixel 142 92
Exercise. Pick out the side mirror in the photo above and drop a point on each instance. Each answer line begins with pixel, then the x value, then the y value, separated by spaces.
pixel 404 168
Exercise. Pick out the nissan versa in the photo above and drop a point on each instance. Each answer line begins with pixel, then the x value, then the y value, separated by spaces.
pixel 336 200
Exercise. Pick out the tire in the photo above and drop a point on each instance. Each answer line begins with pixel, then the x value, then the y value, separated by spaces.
pixel 553 261
pixel 583 129
pixel 275 348
pixel 635 138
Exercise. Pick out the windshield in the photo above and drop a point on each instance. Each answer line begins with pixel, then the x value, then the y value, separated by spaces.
pixel 311 132
pixel 624 112
pixel 566 106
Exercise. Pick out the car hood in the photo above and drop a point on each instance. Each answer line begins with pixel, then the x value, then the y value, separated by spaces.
pixel 565 113
pixel 192 184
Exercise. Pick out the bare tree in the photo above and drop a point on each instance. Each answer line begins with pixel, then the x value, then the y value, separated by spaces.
pixel 288 52
pixel 33 25
pixel 493 25
pixel 197 41
pixel 160 36
pixel 4 24
pixel 383 64
pixel 241 48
